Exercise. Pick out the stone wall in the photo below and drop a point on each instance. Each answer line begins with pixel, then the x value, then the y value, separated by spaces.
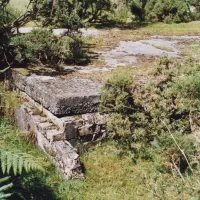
pixel 60 116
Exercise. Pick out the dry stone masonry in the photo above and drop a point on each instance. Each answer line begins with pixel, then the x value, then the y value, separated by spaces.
pixel 60 115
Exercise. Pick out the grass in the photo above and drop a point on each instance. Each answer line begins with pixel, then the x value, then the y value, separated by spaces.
pixel 50 184
pixel 19 4
pixel 164 48
pixel 171 29
pixel 111 176
pixel 145 31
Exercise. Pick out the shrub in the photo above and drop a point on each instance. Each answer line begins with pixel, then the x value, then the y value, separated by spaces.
pixel 116 94
pixel 60 14
pixel 162 11
pixel 42 48
pixel 121 15
pixel 138 110
pixel 167 11
pixel 6 19
pixel 137 8
pixel 72 14
pixel 93 10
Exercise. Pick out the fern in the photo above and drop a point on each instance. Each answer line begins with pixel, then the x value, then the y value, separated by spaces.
pixel 18 161
pixel 4 188
pixel 4 70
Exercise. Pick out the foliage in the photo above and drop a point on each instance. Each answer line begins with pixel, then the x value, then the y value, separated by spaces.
pixel 5 22
pixel 71 14
pixel 162 11
pixel 168 11
pixel 93 10
pixel 120 16
pixel 17 161
pixel 59 13
pixel 171 95
pixel 137 8
pixel 41 47
pixel 116 96
pixel 3 194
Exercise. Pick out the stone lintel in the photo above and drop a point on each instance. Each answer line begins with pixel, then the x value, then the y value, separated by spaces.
pixel 60 96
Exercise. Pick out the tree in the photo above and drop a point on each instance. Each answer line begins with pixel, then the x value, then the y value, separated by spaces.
pixel 92 10
pixel 168 11
pixel 162 10
pixel 137 8
pixel 59 13
pixel 51 14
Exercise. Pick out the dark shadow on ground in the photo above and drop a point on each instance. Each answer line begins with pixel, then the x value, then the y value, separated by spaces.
pixel 120 25
pixel 30 186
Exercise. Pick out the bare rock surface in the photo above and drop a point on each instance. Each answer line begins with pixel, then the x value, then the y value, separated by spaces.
pixel 61 31
pixel 129 52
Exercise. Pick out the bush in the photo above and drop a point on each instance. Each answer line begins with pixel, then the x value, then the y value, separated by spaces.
pixel 167 11
pixel 138 110
pixel 162 11
pixel 72 14
pixel 121 15
pixel 137 8
pixel 59 14
pixel 93 10
pixel 42 48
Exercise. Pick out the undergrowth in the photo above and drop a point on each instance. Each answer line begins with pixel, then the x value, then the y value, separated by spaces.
pixel 155 120
pixel 38 185
pixel 41 47
pixel 112 175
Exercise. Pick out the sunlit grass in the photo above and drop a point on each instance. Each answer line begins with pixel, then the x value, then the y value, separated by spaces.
pixel 19 4
pixel 13 139
pixel 171 29
pixel 109 177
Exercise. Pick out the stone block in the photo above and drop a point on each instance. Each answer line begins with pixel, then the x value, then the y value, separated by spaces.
pixel 54 135
pixel 71 131
pixel 62 97
pixel 50 140
pixel 45 126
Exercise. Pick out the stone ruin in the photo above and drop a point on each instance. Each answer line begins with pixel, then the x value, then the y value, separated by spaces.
pixel 60 115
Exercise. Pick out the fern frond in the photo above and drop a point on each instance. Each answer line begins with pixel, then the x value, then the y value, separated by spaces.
pixel 3 162
pixel 4 196
pixel 9 163
pixel 5 179
pixel 18 161
pixel 4 188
